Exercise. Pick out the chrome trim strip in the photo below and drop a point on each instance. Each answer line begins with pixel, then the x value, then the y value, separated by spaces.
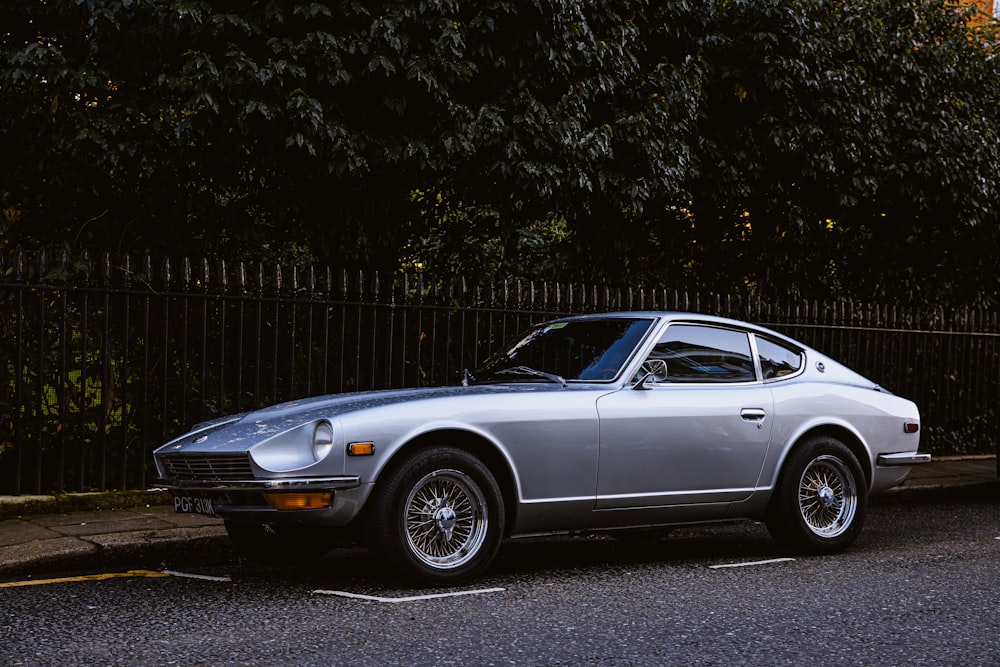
pixel 294 484
pixel 567 499
pixel 668 494
pixel 903 459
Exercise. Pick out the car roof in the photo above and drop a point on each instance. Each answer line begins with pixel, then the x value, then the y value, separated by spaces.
pixel 686 316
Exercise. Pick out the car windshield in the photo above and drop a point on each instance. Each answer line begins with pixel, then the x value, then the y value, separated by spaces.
pixel 591 350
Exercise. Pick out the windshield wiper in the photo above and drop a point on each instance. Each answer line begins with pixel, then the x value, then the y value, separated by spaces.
pixel 528 370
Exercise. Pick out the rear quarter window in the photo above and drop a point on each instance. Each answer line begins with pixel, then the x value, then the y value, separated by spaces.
pixel 777 360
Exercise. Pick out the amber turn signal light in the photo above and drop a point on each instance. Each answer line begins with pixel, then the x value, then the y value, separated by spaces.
pixel 361 449
pixel 312 500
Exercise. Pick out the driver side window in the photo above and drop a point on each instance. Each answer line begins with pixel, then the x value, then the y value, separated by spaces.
pixel 697 353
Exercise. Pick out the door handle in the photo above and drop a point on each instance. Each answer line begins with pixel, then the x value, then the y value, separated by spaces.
pixel 753 414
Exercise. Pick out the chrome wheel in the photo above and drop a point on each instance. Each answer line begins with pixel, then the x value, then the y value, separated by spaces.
pixel 819 502
pixel 446 519
pixel 437 516
pixel 828 496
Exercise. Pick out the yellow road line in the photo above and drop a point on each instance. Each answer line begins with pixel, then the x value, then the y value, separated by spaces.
pixel 86 577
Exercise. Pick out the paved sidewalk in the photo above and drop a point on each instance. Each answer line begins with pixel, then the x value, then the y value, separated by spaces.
pixel 37 544
pixel 950 475
pixel 48 534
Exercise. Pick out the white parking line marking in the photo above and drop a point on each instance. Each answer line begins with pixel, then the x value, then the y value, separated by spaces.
pixel 412 598
pixel 186 575
pixel 756 562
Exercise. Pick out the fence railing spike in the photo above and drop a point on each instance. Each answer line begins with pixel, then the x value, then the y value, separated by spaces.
pixel 20 264
pixel 42 264
pixel 106 268
pixel 86 266
pixel 126 269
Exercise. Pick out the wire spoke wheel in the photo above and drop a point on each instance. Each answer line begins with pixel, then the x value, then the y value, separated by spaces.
pixel 819 502
pixel 446 519
pixel 827 496
pixel 437 516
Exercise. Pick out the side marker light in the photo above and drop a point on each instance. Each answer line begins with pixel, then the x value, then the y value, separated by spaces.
pixel 361 449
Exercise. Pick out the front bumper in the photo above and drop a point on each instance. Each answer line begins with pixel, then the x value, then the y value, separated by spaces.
pixel 292 485
pixel 244 500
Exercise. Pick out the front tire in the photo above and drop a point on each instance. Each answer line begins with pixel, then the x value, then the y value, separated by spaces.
pixel 820 500
pixel 437 518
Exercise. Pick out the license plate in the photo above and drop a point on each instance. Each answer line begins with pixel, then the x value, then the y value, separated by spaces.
pixel 193 505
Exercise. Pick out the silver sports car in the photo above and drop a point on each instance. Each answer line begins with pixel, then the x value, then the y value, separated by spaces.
pixel 621 422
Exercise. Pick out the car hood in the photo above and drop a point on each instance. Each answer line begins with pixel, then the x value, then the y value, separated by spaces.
pixel 240 432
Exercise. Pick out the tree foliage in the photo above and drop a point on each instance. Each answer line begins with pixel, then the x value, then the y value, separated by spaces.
pixel 858 142
pixel 822 147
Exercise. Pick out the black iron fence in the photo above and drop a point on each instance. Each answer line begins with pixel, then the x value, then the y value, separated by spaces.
pixel 103 360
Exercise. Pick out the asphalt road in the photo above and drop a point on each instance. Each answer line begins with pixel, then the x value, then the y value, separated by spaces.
pixel 920 587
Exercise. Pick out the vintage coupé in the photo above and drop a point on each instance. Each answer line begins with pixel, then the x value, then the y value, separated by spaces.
pixel 619 422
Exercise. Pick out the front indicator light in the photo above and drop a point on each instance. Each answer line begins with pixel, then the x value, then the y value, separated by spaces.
pixel 361 449
pixel 312 500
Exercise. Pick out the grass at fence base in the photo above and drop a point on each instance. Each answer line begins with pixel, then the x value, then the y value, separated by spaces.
pixel 15 506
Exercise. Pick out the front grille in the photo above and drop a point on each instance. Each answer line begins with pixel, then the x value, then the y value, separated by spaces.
pixel 207 467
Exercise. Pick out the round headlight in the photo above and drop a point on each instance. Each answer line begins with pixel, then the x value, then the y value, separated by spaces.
pixel 322 439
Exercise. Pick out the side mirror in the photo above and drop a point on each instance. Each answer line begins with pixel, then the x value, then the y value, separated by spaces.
pixel 651 371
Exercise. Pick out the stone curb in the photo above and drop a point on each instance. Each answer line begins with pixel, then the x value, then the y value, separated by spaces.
pixel 929 493
pixel 148 551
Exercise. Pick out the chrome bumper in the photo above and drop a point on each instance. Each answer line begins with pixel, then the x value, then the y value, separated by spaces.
pixel 245 500
pixel 292 484
pixel 903 459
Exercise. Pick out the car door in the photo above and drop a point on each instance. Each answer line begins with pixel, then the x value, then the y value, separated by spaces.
pixel 697 435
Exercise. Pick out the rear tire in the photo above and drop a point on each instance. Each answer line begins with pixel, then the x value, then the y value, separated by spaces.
pixel 820 500
pixel 438 517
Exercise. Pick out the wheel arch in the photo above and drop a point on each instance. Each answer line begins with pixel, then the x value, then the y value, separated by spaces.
pixel 474 444
pixel 845 435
